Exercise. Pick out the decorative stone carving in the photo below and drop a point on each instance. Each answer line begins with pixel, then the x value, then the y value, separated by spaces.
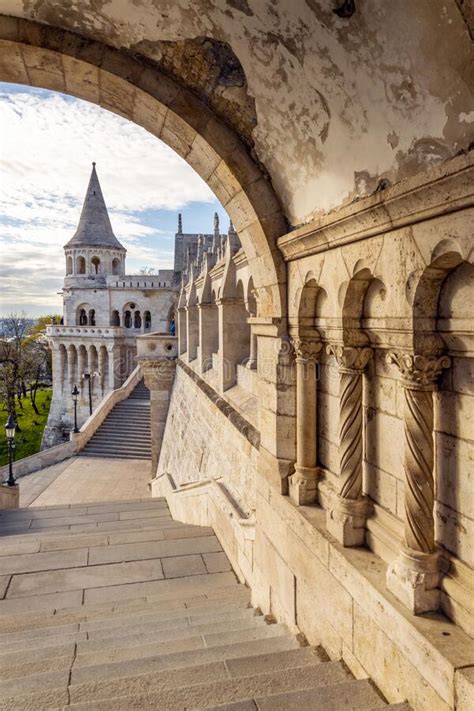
pixel 350 359
pixel 414 576
pixel 419 371
pixel 303 483
pixel 346 519
pixel 306 349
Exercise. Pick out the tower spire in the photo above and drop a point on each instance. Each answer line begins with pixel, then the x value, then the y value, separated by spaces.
pixel 94 228
pixel 180 224
pixel 216 224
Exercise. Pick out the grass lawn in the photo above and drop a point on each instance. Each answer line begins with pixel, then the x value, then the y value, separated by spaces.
pixel 28 441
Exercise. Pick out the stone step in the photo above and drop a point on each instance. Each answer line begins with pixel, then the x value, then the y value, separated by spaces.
pixel 203 675
pixel 113 653
pixel 226 600
pixel 181 587
pixel 124 624
pixel 158 692
pixel 145 634
pixel 257 651
pixel 350 695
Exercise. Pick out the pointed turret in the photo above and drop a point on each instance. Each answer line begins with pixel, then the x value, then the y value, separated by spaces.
pixel 216 224
pixel 94 229
pixel 180 224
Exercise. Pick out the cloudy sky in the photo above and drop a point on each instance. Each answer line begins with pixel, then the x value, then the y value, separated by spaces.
pixel 47 144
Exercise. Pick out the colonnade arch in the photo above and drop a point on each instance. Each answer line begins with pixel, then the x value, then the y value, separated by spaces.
pixel 137 89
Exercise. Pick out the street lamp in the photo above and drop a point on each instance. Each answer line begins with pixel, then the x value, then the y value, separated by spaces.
pixel 10 435
pixel 75 395
pixel 88 378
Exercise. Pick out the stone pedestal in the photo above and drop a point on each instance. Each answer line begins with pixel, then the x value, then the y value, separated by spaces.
pixel 156 354
pixel 9 496
pixel 346 518
pixel 415 574
pixel 346 521
pixel 413 577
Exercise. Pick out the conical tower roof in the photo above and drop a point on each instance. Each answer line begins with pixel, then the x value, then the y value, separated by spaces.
pixel 94 229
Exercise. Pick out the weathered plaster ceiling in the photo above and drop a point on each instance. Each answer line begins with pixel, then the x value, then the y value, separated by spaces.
pixel 331 106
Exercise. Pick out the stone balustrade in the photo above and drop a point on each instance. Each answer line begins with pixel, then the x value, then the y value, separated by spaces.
pixel 92 331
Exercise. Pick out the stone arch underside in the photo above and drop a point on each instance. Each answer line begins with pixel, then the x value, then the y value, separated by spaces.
pixel 137 89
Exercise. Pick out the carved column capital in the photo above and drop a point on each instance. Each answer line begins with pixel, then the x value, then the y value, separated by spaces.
pixel 306 349
pixel 350 359
pixel 419 372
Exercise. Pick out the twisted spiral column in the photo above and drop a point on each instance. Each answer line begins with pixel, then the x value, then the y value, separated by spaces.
pixel 303 483
pixel 346 519
pixel 414 576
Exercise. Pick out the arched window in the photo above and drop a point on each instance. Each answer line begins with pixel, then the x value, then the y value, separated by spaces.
pixel 147 319
pixel 92 317
pixel 138 320
pixel 82 319
pixel 128 319
pixel 69 265
pixel 116 266
pixel 115 319
pixel 81 265
pixel 95 261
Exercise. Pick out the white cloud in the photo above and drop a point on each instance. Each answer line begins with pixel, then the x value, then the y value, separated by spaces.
pixel 47 144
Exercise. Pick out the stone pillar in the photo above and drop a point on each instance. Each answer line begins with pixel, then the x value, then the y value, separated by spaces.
pixel 103 355
pixel 252 361
pixel 303 483
pixel 182 331
pixel 208 338
pixel 72 366
pixel 159 378
pixel 61 366
pixel 415 574
pixel 192 332
pixel 346 518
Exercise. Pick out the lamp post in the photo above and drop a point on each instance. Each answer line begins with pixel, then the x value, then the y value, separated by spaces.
pixel 75 395
pixel 10 435
pixel 88 378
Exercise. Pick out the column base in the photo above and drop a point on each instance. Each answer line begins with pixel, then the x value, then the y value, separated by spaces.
pixel 345 520
pixel 413 578
pixel 303 486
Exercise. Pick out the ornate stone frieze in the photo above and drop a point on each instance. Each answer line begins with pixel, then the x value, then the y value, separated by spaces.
pixel 419 371
pixel 307 349
pixel 350 359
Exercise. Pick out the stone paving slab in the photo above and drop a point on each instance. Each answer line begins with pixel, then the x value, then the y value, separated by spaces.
pixel 216 562
pixel 96 576
pixel 49 602
pixel 12 546
pixel 97 480
pixel 28 563
pixel 4 580
pixel 183 566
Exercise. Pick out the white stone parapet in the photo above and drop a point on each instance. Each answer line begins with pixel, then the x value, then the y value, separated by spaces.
pixel 92 331
pixel 153 346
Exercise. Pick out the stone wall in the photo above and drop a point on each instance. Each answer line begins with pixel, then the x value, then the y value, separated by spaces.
pixel 201 443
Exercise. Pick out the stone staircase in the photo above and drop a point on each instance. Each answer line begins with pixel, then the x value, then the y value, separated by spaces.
pixel 117 606
pixel 125 432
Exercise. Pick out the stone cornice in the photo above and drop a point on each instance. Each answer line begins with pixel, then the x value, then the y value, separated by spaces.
pixel 442 190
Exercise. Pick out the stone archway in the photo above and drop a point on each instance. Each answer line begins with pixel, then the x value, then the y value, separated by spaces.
pixel 137 89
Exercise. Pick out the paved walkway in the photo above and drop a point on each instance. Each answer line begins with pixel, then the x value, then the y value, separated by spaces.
pixel 81 480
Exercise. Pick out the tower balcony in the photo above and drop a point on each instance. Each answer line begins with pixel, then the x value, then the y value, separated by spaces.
pixel 84 331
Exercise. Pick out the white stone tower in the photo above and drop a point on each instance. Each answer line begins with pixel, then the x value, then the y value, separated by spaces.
pixel 104 310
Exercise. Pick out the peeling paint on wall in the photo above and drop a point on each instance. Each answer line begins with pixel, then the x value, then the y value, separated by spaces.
pixel 331 105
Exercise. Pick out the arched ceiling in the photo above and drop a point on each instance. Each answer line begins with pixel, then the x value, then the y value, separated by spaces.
pixel 329 106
